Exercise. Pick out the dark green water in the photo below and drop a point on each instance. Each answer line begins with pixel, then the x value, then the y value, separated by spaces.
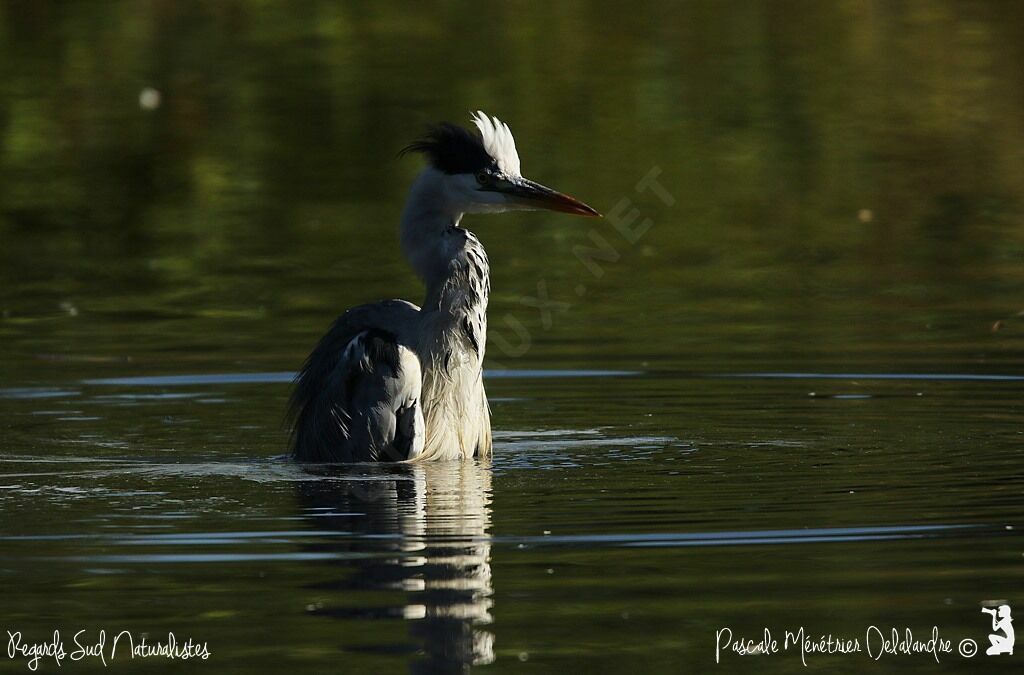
pixel 840 193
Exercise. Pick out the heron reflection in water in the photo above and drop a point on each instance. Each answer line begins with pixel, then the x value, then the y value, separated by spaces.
pixel 420 532
pixel 391 381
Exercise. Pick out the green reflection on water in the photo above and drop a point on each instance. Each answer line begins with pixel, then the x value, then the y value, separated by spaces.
pixel 847 182
pixel 847 178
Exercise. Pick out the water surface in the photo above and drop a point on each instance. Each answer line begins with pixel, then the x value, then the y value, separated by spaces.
pixel 794 398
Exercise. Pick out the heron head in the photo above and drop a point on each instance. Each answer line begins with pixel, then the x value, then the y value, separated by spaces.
pixel 482 172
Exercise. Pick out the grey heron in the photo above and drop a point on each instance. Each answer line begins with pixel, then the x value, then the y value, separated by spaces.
pixel 391 381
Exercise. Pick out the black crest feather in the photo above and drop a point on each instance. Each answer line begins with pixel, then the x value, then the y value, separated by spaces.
pixel 452 149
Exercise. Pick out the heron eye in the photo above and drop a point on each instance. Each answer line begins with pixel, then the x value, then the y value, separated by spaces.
pixel 483 178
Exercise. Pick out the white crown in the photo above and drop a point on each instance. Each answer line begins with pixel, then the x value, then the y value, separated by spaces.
pixel 498 142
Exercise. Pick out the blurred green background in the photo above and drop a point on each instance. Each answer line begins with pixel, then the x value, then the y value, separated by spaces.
pixel 201 187
pixel 847 176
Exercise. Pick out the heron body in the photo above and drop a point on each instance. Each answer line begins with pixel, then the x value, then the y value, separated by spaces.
pixel 391 381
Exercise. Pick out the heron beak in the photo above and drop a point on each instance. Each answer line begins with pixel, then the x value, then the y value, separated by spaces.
pixel 535 195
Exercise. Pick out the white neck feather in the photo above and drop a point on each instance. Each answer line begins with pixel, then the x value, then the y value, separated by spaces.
pixel 428 213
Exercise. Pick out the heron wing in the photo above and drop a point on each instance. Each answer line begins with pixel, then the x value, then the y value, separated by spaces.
pixel 356 398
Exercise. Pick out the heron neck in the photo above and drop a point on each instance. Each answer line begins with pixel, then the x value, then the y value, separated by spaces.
pixel 427 217
pixel 450 260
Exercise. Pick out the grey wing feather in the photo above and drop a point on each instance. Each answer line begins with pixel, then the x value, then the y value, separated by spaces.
pixel 357 396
